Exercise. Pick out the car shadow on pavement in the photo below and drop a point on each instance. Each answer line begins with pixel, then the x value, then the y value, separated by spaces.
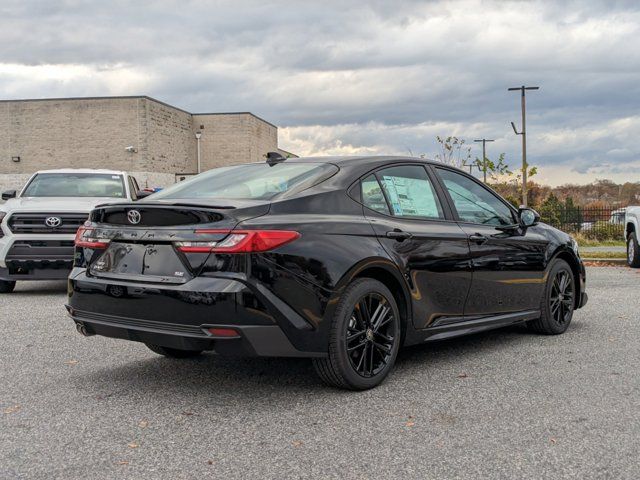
pixel 54 287
pixel 218 376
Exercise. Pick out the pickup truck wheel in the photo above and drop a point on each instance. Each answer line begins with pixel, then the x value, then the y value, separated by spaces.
pixel 558 301
pixel 173 352
pixel 7 287
pixel 633 251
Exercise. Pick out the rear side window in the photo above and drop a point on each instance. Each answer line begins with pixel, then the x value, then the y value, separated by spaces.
pixel 410 192
pixel 256 181
pixel 372 196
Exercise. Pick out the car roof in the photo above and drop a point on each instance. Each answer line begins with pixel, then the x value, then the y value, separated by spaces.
pixel 83 170
pixel 360 160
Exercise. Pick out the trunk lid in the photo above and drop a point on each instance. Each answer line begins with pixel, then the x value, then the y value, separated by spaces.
pixel 142 237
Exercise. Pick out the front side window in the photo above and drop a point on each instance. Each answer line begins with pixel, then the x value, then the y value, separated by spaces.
pixel 473 202
pixel 410 192
pixel 256 181
pixel 75 185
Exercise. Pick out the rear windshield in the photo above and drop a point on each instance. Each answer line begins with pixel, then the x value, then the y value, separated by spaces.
pixel 256 181
pixel 75 185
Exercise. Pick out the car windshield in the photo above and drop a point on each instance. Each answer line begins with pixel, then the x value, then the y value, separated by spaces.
pixel 256 181
pixel 75 185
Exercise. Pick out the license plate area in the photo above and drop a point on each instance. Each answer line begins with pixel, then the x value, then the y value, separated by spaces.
pixel 145 262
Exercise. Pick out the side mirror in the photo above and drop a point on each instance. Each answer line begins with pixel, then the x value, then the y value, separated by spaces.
pixel 528 217
pixel 9 194
pixel 143 193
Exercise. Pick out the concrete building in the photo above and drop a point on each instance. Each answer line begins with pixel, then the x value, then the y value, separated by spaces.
pixel 155 141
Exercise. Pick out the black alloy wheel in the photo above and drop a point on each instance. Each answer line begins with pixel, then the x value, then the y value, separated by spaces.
pixel 558 300
pixel 364 339
pixel 562 297
pixel 371 332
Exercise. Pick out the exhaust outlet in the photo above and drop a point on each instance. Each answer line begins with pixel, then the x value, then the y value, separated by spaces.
pixel 82 330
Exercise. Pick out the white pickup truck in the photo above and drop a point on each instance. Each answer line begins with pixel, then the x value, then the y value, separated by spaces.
pixel 39 223
pixel 632 232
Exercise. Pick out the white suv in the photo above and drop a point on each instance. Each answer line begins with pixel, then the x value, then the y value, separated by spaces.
pixel 38 225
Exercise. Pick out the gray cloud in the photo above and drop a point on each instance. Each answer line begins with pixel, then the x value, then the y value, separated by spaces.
pixel 384 77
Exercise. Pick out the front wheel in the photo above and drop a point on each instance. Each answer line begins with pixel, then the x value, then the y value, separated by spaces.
pixel 558 300
pixel 633 251
pixel 172 352
pixel 6 286
pixel 364 339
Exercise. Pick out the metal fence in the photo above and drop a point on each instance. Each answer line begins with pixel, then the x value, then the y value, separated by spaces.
pixel 602 223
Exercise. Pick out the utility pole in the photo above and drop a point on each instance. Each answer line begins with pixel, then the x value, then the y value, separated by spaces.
pixel 524 139
pixel 484 156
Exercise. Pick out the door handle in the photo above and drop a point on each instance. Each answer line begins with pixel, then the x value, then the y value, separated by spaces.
pixel 399 235
pixel 478 238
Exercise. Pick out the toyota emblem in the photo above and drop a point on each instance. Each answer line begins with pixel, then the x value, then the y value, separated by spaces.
pixel 53 222
pixel 134 217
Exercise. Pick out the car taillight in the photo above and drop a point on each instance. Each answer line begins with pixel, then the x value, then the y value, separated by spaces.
pixel 86 238
pixel 240 241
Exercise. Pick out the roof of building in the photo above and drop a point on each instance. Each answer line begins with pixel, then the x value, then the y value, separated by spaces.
pixel 133 97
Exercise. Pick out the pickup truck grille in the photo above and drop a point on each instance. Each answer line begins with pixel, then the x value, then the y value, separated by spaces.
pixel 66 223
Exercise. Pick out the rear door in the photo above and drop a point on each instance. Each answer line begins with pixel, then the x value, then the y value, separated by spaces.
pixel 415 227
pixel 508 262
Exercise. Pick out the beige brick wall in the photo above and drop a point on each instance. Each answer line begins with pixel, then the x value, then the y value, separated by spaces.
pixel 94 132
pixel 68 134
pixel 233 138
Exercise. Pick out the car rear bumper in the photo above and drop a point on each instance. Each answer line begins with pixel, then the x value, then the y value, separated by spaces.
pixel 180 316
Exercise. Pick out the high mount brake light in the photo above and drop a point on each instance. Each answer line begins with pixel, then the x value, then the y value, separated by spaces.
pixel 240 241
pixel 85 238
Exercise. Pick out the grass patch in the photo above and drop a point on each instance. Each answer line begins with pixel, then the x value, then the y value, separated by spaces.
pixel 604 255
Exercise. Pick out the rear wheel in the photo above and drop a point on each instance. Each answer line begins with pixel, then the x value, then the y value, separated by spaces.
pixel 6 286
pixel 173 352
pixel 364 338
pixel 558 301
pixel 633 251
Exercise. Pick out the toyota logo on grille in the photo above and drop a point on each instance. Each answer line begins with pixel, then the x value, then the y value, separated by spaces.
pixel 53 222
pixel 134 217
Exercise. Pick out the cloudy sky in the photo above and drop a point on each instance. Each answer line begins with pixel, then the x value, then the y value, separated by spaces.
pixel 346 77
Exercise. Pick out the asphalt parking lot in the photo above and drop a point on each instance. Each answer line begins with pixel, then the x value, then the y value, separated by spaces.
pixel 506 404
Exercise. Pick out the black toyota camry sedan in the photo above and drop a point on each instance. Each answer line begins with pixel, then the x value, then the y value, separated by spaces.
pixel 343 260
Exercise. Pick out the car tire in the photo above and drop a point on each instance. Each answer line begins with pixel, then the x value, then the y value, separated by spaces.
pixel 633 251
pixel 558 300
pixel 364 338
pixel 6 286
pixel 173 352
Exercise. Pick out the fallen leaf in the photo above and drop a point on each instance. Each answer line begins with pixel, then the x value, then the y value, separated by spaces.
pixel 297 443
pixel 123 462
pixel 463 375
pixel 13 409
pixel 143 424
pixel 71 362
pixel 211 462
pixel 187 413
pixel 409 424
pixel 553 440
pixel 133 445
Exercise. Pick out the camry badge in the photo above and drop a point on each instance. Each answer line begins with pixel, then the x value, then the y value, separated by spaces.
pixel 53 222
pixel 134 217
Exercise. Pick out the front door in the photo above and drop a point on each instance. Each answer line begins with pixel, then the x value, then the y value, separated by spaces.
pixel 508 261
pixel 416 229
